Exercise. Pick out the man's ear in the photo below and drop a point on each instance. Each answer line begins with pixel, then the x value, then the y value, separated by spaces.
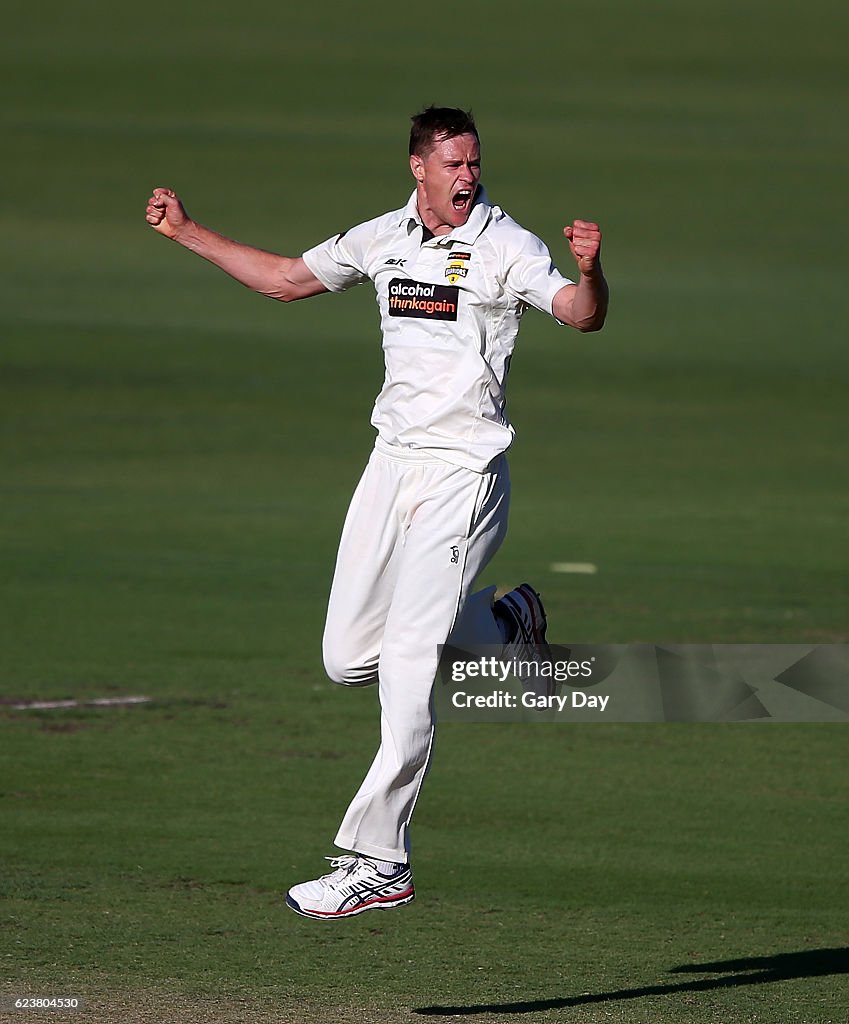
pixel 417 167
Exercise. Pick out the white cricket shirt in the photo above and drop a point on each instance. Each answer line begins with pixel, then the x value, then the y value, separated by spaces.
pixel 450 310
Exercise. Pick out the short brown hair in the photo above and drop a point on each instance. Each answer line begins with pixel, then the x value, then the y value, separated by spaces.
pixel 438 123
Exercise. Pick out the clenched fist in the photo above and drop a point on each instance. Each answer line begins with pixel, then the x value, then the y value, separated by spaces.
pixel 585 242
pixel 165 213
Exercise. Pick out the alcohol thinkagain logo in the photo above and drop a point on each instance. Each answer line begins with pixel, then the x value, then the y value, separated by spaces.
pixel 425 301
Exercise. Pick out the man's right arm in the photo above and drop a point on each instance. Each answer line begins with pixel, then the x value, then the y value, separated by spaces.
pixel 284 278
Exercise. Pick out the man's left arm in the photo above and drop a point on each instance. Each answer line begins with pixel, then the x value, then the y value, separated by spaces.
pixel 584 305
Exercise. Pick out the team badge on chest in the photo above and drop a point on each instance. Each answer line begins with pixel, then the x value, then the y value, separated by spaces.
pixel 458 266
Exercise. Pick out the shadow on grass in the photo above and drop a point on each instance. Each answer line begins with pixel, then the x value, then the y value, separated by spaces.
pixel 755 970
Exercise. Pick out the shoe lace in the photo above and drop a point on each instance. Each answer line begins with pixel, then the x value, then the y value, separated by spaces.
pixel 343 865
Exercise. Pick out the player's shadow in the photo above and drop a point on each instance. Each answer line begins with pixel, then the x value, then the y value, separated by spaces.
pixel 753 970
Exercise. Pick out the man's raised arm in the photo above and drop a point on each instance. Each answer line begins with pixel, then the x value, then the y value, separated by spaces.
pixel 279 277
pixel 584 305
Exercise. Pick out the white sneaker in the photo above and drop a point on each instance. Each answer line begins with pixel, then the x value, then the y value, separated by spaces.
pixel 356 885
pixel 527 647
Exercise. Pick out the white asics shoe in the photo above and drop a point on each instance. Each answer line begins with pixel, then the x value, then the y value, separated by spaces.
pixel 526 646
pixel 354 886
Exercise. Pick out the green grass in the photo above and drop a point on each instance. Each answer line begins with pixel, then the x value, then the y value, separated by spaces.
pixel 150 848
pixel 178 455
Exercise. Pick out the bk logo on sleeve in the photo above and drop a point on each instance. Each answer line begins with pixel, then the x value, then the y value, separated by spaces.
pixel 426 301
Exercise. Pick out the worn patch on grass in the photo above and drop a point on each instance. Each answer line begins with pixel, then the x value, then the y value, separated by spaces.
pixel 58 705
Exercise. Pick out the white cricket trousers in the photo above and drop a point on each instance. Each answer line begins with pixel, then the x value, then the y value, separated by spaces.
pixel 417 533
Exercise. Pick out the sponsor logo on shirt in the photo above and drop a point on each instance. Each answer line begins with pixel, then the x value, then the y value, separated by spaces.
pixel 457 267
pixel 426 301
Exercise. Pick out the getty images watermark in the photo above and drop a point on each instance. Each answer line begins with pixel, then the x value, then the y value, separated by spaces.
pixel 646 683
pixel 540 675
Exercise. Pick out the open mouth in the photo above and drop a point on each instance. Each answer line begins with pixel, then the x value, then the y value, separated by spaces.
pixel 462 199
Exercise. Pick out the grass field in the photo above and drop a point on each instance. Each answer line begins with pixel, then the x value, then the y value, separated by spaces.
pixel 178 455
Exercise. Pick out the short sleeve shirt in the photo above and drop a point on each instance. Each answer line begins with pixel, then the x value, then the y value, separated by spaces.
pixel 450 308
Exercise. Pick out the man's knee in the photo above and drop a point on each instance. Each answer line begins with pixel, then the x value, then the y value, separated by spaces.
pixel 345 668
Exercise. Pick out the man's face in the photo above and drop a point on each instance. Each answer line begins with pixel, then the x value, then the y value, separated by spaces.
pixel 447 178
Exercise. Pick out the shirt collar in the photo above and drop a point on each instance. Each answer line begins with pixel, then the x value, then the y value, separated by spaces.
pixel 466 234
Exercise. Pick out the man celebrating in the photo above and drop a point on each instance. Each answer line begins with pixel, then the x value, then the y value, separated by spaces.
pixel 453 276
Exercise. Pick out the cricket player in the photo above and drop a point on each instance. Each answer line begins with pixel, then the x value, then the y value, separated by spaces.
pixel 453 275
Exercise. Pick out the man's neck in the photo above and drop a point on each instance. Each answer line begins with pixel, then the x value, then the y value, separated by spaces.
pixel 429 219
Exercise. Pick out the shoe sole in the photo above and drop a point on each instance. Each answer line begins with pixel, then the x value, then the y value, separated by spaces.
pixel 381 903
